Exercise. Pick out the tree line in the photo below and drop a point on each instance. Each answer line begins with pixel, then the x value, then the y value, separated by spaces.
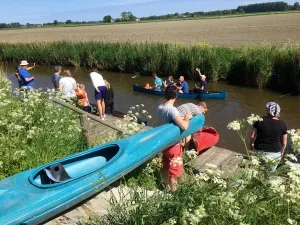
pixel 252 8
pixel 128 16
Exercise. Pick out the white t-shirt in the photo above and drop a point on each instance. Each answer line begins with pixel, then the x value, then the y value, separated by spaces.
pixel 68 87
pixel 97 79
pixel 166 113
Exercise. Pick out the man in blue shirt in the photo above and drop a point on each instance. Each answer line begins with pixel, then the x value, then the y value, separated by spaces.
pixel 184 85
pixel 56 76
pixel 157 82
pixel 26 78
pixel 203 82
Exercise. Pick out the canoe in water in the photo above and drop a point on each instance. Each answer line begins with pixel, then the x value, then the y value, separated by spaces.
pixel 205 138
pixel 36 195
pixel 191 95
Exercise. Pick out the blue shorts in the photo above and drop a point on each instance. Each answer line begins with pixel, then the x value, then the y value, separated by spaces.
pixel 100 95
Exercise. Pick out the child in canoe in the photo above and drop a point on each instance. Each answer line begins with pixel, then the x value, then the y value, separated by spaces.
pixel 82 97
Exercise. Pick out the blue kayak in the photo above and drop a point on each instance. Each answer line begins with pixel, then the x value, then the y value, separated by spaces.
pixel 35 195
pixel 191 95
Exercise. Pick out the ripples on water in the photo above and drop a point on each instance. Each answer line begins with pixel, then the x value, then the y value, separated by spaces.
pixel 240 102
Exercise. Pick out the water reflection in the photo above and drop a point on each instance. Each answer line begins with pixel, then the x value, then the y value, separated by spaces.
pixel 240 102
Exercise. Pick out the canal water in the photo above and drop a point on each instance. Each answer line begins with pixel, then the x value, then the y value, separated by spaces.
pixel 239 104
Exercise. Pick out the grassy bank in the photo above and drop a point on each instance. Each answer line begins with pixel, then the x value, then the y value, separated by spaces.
pixel 257 66
pixel 249 195
pixel 34 131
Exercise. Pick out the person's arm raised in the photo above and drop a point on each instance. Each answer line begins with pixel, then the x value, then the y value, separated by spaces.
pixel 29 68
pixel 198 70
pixel 183 123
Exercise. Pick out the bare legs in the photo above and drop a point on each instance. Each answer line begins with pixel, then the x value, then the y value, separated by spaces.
pixel 101 107
pixel 170 182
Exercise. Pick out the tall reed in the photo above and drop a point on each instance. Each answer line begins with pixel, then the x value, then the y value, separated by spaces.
pixel 258 66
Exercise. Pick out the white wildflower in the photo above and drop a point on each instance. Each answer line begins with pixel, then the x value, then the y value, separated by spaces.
pixel 292 157
pixel 129 112
pixel 142 105
pixel 253 118
pixel 235 125
pixel 149 116
pixel 292 222
pixel 254 161
pixel 189 155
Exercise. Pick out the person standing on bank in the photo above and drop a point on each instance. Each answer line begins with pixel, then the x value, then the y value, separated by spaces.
pixel 269 135
pixel 67 85
pixel 172 156
pixel 203 83
pixel 26 79
pixel 109 98
pixel 56 76
pixel 100 90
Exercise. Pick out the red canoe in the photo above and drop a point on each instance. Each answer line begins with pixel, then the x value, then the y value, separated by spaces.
pixel 205 138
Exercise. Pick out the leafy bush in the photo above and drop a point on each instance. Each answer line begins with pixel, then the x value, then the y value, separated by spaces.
pixel 34 131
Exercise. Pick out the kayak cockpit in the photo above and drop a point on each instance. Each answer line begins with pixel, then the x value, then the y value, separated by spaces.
pixel 74 167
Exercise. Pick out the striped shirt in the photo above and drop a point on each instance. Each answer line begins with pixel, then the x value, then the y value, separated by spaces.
pixel 189 108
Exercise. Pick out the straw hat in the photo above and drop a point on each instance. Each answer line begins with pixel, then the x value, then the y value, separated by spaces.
pixel 24 63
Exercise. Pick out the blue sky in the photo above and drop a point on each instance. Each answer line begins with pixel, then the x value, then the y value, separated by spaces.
pixel 41 11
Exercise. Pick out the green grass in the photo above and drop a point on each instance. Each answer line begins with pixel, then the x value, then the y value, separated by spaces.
pixel 34 131
pixel 257 66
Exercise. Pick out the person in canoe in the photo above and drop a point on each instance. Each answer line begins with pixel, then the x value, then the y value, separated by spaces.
pixel 157 83
pixel 269 136
pixel 184 87
pixel 203 83
pixel 169 83
pixel 193 109
pixel 100 90
pixel 172 156
pixel 147 86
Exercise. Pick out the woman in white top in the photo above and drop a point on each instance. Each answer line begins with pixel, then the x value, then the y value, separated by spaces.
pixel 100 90
pixel 67 85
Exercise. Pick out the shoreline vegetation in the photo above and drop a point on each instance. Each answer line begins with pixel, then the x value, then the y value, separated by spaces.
pixel 263 66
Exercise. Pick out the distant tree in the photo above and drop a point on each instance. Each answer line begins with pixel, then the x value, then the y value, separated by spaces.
pixel 176 14
pixel 68 21
pixel 3 25
pixel 296 6
pixel 15 25
pixel 127 16
pixel 117 20
pixel 107 19
pixel 55 22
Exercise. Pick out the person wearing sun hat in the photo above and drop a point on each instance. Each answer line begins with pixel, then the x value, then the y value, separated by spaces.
pixel 26 78
pixel 270 134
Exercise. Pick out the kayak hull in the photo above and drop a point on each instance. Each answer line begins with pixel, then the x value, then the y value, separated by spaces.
pixel 203 96
pixel 28 199
pixel 205 138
